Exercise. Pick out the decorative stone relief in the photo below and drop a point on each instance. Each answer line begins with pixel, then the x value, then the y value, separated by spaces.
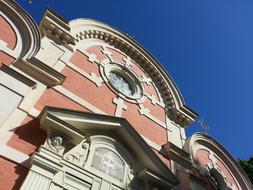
pixel 55 143
pixel 78 154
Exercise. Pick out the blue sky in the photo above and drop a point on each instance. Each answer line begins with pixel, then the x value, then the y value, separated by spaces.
pixel 206 46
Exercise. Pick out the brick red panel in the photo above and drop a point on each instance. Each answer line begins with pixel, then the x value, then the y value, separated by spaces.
pixel 5 58
pixel 150 89
pixel 117 56
pixel 155 110
pixel 7 33
pixel 55 99
pixel 144 125
pixel 12 175
pixel 137 70
pixel 28 137
pixel 82 62
pixel 100 97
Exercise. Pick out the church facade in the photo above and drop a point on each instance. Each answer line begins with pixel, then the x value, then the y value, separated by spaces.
pixel 84 106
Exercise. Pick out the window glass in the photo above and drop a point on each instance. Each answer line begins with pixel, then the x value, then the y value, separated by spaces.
pixel 121 84
pixel 109 163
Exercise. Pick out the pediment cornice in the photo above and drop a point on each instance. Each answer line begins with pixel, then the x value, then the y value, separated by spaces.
pixel 75 126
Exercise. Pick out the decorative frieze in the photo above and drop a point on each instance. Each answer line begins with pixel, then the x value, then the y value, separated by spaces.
pixel 78 154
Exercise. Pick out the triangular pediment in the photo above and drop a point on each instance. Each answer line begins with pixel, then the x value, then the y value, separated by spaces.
pixel 77 124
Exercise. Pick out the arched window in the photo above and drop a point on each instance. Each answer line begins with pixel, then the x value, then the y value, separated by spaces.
pixel 109 160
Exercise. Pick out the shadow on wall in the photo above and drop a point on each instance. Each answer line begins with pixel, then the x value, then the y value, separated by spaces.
pixel 21 173
pixel 12 174
pixel 28 137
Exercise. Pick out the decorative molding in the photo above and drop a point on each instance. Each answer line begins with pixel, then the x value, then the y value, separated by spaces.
pixel 25 27
pixel 17 75
pixel 175 106
pixel 146 112
pixel 91 76
pixel 145 79
pixel 120 106
pixel 78 155
pixel 5 49
pixel 107 53
pixel 40 71
pixel 128 63
pixel 172 152
pixel 54 26
pixel 14 155
pixel 70 125
pixel 92 58
pixel 154 100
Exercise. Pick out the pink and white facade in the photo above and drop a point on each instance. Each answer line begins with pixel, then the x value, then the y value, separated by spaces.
pixel 84 106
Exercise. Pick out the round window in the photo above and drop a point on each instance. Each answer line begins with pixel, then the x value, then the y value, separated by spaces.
pixel 121 84
pixel 123 81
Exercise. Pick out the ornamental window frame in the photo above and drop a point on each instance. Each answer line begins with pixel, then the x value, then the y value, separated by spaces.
pixel 101 141
pixel 133 81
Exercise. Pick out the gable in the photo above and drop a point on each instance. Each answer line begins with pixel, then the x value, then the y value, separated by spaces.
pixel 75 126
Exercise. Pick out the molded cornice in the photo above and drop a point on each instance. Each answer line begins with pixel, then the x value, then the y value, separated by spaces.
pixel 40 71
pixel 17 75
pixel 26 26
pixel 172 152
pixel 55 27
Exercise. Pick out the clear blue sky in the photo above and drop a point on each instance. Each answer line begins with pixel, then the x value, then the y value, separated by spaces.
pixel 206 46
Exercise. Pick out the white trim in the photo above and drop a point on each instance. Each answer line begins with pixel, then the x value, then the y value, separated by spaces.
pixel 14 155
pixel 30 100
pixel 120 106
pixel 146 112
pixel 18 46
pixel 8 128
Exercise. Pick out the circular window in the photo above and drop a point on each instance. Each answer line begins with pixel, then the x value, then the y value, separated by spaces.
pixel 123 81
pixel 120 83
